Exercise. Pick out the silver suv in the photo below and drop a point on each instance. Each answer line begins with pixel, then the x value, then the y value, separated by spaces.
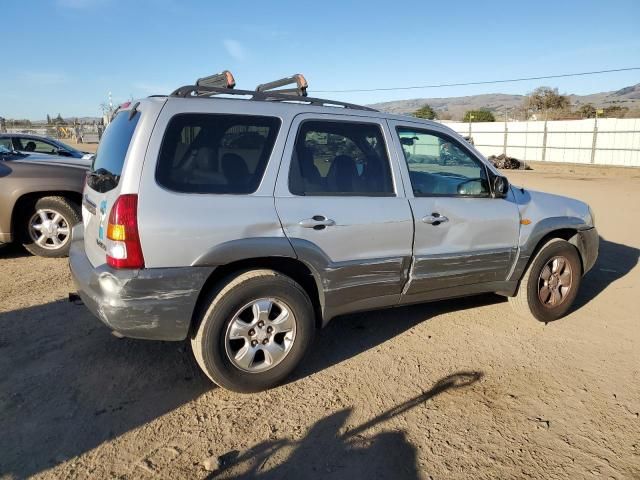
pixel 244 220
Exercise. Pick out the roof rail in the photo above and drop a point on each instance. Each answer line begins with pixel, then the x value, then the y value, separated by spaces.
pixel 188 91
pixel 298 79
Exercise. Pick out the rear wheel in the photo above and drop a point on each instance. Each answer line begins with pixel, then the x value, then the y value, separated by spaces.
pixel 550 284
pixel 254 332
pixel 47 226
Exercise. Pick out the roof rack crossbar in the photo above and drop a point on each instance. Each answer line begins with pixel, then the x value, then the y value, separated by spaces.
pixel 265 96
pixel 298 79
pixel 223 79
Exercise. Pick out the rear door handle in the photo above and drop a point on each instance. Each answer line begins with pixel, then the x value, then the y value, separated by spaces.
pixel 317 222
pixel 435 219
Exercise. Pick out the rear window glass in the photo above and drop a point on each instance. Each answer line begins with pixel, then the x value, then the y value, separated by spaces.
pixel 115 143
pixel 215 153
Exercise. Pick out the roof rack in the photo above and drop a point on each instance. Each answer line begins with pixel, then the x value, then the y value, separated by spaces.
pixel 223 80
pixel 223 84
pixel 298 79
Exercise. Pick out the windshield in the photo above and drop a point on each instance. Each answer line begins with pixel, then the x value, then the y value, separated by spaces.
pixel 112 151
pixel 4 150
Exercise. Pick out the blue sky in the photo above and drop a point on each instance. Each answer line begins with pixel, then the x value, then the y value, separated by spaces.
pixel 64 56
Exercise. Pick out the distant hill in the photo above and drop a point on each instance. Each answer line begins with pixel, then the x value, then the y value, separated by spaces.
pixel 496 102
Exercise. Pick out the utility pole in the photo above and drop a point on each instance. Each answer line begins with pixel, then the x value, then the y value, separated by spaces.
pixel 471 117
pixel 506 129
pixel 595 135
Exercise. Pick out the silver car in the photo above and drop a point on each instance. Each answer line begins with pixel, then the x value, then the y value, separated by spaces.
pixel 244 220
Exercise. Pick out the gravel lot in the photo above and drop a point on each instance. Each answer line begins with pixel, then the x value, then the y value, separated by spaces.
pixel 454 389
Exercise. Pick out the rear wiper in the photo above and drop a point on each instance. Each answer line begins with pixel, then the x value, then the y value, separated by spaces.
pixel 103 174
pixel 104 177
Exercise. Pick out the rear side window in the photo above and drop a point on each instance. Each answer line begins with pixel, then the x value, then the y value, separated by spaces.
pixel 215 153
pixel 339 159
pixel 115 143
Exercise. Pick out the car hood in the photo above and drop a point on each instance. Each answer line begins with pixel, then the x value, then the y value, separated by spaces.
pixel 45 159
pixel 537 206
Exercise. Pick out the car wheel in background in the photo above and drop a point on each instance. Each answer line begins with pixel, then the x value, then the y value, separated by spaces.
pixel 47 226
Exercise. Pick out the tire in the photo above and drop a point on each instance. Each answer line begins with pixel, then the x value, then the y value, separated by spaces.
pixel 58 216
pixel 230 312
pixel 528 300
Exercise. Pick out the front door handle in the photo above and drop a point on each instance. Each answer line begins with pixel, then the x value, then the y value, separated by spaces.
pixel 317 222
pixel 435 219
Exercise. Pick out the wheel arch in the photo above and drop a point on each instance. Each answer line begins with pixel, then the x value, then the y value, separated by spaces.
pixel 569 234
pixel 289 266
pixel 27 200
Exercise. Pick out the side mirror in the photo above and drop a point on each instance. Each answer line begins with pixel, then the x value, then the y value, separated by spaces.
pixel 63 153
pixel 500 186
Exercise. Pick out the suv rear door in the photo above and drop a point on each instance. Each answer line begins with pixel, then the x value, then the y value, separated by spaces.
pixel 119 158
pixel 341 202
pixel 465 240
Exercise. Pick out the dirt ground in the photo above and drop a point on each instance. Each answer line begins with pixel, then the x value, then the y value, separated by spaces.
pixel 455 389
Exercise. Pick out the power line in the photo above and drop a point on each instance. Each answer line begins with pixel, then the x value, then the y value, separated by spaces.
pixel 486 82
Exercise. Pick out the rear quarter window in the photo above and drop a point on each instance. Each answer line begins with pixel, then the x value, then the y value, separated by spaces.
pixel 216 153
pixel 114 145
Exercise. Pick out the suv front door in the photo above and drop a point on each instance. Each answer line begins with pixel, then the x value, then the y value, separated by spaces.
pixel 341 202
pixel 465 240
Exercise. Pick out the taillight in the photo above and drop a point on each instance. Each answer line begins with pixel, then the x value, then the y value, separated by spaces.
pixel 123 240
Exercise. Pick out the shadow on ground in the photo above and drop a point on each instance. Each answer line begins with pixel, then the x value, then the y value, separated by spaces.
pixel 68 385
pixel 325 452
pixel 12 250
pixel 615 260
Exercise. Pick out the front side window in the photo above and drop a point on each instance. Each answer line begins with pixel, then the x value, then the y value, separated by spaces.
pixel 440 166
pixel 216 153
pixel 36 146
pixel 340 158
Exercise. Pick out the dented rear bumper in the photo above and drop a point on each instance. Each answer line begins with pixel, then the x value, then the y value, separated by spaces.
pixel 154 303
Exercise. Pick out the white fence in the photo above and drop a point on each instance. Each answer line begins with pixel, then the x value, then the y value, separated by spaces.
pixel 605 141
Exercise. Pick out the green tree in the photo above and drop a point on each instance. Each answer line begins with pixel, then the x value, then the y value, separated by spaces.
pixel 58 119
pixel 479 116
pixel 425 112
pixel 543 99
pixel 587 111
pixel 48 119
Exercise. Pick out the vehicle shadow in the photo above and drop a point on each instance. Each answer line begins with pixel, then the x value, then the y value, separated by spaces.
pixel 12 250
pixel 68 385
pixel 350 335
pixel 615 260
pixel 325 452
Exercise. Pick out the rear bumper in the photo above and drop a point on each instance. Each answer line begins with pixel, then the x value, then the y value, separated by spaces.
pixel 154 303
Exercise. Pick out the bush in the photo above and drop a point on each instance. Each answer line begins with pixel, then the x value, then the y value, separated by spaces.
pixel 479 116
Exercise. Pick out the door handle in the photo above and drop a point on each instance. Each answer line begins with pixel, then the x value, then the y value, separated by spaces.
pixel 435 219
pixel 317 222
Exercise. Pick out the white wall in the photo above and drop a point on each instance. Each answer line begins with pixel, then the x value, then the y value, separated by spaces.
pixel 569 141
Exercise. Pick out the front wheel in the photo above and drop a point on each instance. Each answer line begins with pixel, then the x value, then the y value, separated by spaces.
pixel 550 284
pixel 254 332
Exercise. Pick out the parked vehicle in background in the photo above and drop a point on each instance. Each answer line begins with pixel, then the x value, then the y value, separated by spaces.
pixel 29 143
pixel 245 223
pixel 40 197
